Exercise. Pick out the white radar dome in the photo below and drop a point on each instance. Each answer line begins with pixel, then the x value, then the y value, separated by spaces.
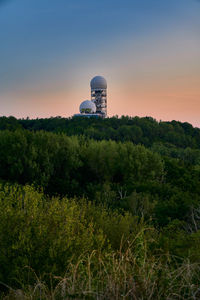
pixel 87 107
pixel 98 82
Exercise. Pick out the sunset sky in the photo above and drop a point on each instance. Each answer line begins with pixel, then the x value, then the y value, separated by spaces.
pixel 148 50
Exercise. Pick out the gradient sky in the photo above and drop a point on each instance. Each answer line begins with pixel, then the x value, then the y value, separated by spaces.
pixel 148 50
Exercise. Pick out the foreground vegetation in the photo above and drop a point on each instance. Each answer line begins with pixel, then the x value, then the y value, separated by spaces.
pixel 84 217
pixel 54 248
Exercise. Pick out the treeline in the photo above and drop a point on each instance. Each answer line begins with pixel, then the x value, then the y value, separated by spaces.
pixel 146 131
pixel 120 175
pixel 72 165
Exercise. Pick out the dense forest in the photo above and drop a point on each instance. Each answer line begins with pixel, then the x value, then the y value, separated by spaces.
pixel 99 209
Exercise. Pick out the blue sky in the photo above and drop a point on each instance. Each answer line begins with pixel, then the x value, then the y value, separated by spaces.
pixel 49 51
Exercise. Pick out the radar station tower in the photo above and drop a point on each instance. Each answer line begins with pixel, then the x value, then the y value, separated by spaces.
pixel 99 95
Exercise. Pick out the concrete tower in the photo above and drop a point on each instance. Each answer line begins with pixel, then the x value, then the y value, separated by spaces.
pixel 99 95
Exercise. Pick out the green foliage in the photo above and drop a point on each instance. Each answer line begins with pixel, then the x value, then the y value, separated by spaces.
pixel 59 163
pixel 92 250
pixel 110 207
pixel 165 180
pixel 46 234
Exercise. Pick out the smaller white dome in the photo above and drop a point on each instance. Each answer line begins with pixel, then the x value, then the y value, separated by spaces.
pixel 87 107
pixel 98 82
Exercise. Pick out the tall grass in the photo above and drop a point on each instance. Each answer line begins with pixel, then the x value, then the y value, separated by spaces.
pixel 117 275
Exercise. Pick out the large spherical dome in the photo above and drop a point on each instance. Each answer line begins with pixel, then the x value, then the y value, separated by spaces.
pixel 87 107
pixel 98 82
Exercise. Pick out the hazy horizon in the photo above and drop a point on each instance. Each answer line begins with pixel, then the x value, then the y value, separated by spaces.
pixel 148 51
